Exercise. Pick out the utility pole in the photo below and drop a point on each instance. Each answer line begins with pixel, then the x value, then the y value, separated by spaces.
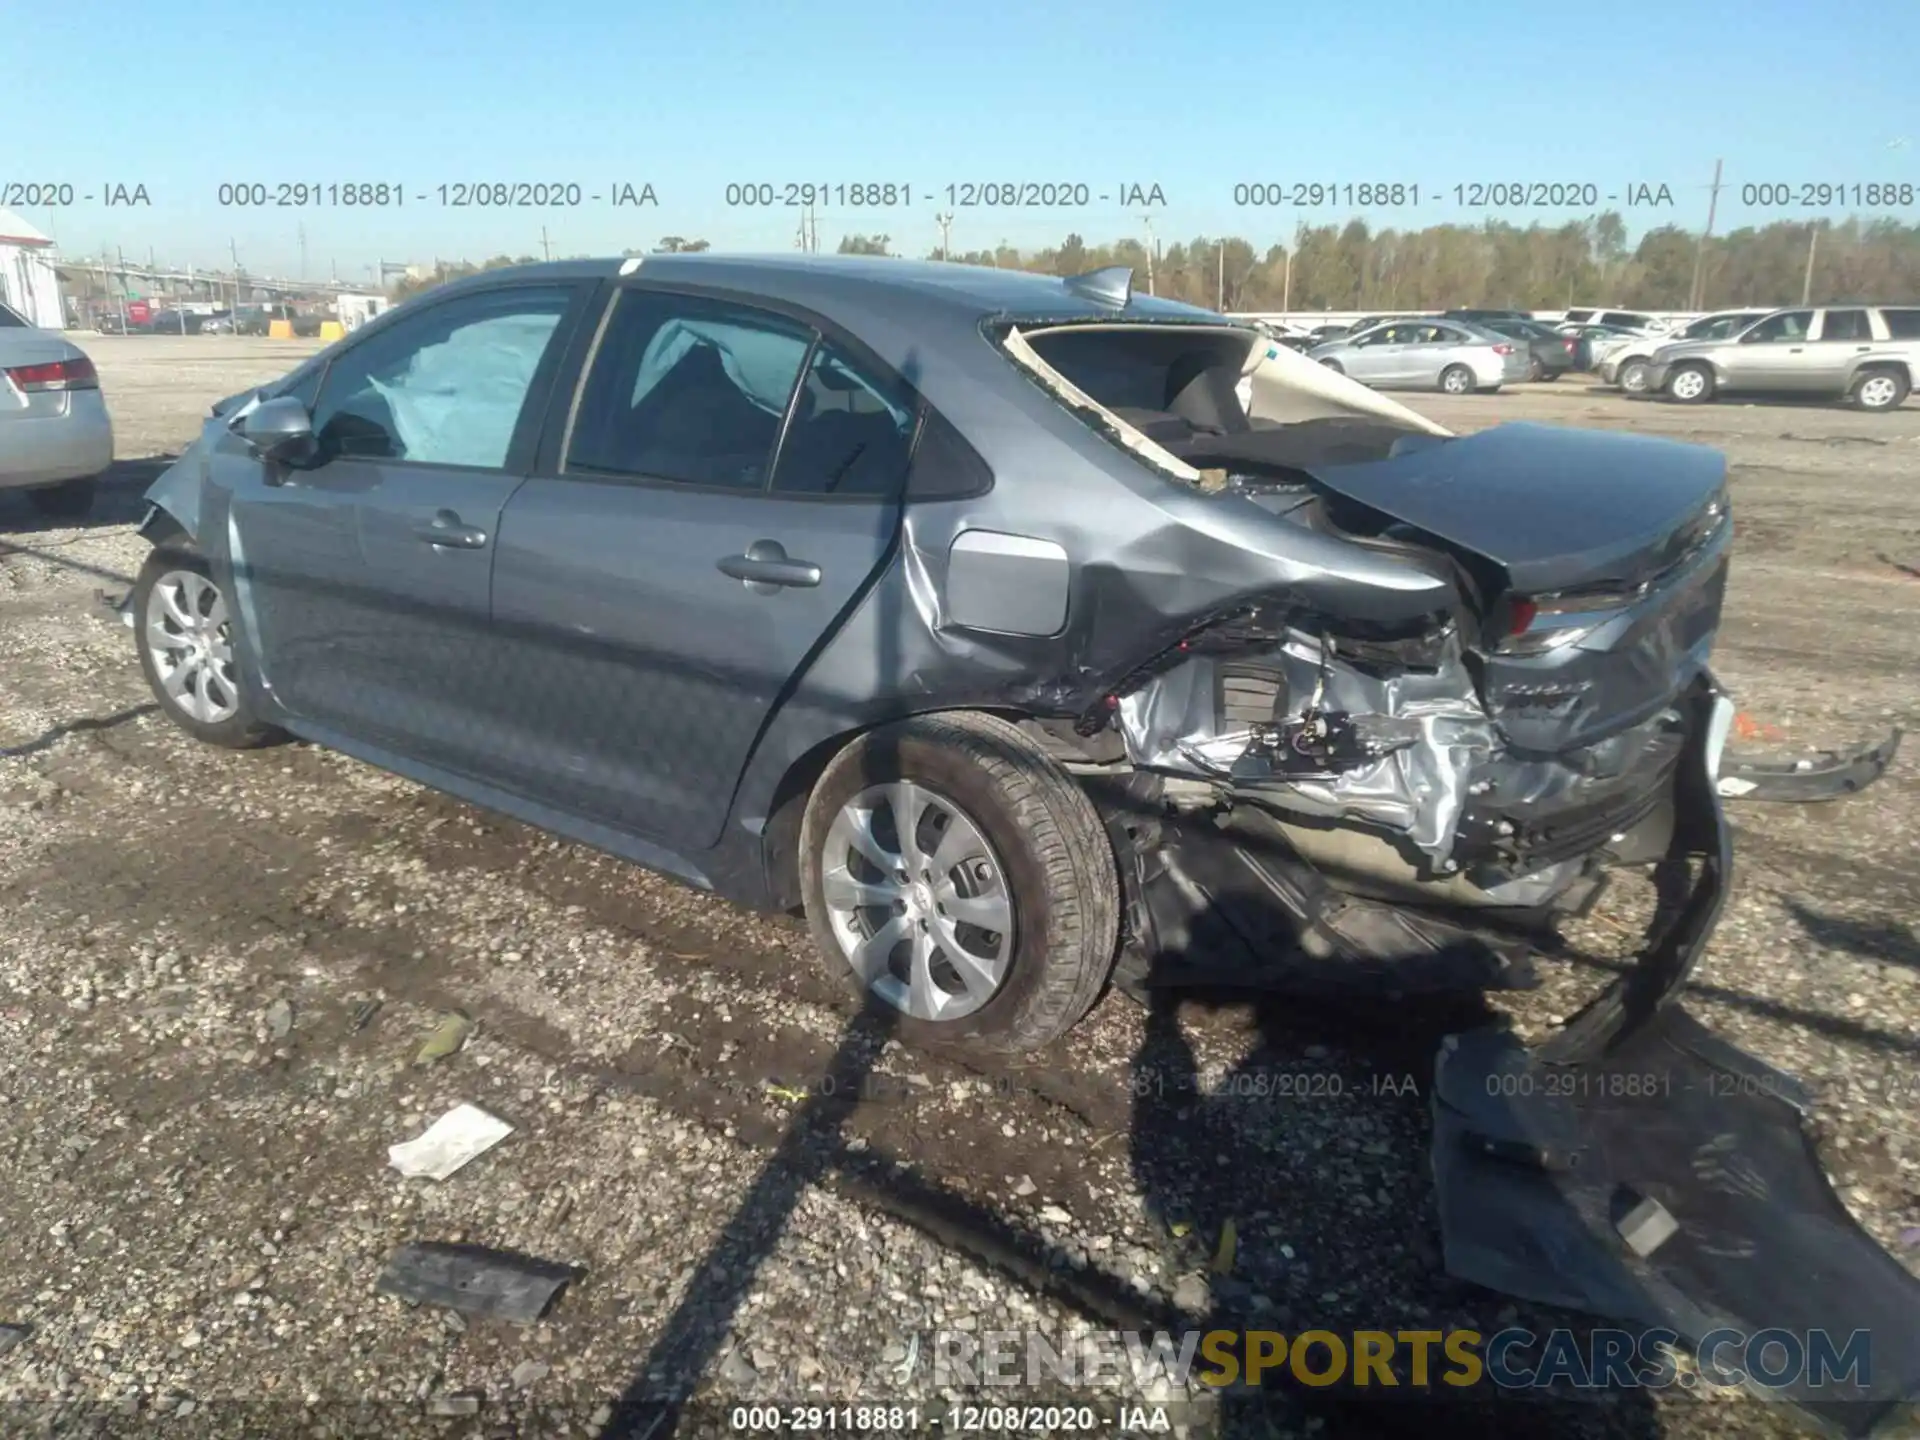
pixel 1286 284
pixel 546 248
pixel 945 222
pixel 1147 220
pixel 1813 243
pixel 303 253
pixel 1696 294
pixel 1220 282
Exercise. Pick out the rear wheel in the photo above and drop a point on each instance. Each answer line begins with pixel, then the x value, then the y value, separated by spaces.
pixel 960 882
pixel 183 629
pixel 1882 389
pixel 1691 384
pixel 1456 380
pixel 68 500
pixel 1536 372
pixel 1633 377
pixel 1334 366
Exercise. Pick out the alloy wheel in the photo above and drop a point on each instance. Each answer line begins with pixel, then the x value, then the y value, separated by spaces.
pixel 1456 381
pixel 1633 377
pixel 1688 385
pixel 1877 392
pixel 918 901
pixel 191 642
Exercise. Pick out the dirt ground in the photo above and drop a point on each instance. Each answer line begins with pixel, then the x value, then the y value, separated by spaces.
pixel 216 970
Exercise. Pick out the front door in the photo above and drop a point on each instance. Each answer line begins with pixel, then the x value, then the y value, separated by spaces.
pixel 364 575
pixel 1770 356
pixel 729 484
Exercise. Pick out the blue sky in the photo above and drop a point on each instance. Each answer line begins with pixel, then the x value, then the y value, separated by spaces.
pixel 182 96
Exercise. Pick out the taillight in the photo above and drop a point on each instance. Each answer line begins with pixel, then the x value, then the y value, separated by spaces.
pixel 55 375
pixel 1503 349
pixel 1571 343
pixel 1520 616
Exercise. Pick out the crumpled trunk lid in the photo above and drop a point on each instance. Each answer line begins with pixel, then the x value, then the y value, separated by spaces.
pixel 1555 508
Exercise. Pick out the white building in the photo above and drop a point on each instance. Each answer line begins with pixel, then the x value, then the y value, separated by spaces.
pixel 355 310
pixel 28 281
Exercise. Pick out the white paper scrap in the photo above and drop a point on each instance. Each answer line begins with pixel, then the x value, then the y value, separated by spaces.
pixel 462 1134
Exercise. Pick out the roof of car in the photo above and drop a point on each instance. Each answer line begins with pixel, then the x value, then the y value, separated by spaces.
pixel 983 290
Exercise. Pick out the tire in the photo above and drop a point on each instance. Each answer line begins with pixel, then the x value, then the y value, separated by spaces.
pixel 1632 377
pixel 68 500
pixel 1691 384
pixel 1457 380
pixel 1053 874
pixel 1536 372
pixel 162 592
pixel 1334 366
pixel 1878 390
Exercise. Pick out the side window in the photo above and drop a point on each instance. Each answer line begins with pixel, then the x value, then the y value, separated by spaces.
pixel 687 389
pixel 851 434
pixel 1846 325
pixel 1902 324
pixel 445 387
pixel 1787 326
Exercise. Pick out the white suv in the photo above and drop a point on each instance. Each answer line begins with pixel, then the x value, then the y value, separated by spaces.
pixel 1868 354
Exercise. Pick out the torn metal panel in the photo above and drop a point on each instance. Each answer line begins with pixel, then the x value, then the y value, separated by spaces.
pixel 1427 729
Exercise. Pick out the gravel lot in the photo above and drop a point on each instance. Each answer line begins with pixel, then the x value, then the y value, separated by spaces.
pixel 197 1086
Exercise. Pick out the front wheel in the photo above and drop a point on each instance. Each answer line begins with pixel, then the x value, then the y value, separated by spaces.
pixel 1457 380
pixel 960 882
pixel 1691 384
pixel 1879 390
pixel 1334 366
pixel 183 629
pixel 1633 377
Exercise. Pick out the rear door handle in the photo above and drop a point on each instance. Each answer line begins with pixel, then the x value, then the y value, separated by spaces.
pixel 449 530
pixel 766 568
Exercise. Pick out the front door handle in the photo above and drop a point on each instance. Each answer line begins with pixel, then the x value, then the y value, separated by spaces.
pixel 449 530
pixel 766 568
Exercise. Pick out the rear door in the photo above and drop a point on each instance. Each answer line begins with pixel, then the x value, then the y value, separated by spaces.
pixel 726 485
pixel 364 575
pixel 1840 342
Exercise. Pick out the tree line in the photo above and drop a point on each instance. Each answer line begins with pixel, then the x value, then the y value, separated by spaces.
pixel 1533 267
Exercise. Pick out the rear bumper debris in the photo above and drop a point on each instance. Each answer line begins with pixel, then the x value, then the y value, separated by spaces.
pixel 1826 775
pixel 1636 1166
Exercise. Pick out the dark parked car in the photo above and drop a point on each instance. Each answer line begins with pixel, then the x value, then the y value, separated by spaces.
pixel 1481 317
pixel 1549 353
pixel 258 320
pixel 973 613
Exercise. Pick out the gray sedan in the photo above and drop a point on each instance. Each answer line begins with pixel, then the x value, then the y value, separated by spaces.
pixel 1447 355
pixel 55 437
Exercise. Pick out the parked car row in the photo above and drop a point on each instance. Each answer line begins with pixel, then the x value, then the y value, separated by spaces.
pixel 1867 355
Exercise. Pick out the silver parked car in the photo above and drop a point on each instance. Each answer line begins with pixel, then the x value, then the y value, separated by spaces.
pixel 1452 356
pixel 1625 363
pixel 1866 354
pixel 55 436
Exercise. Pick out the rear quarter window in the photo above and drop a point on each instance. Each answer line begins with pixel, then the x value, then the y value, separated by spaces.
pixel 1903 324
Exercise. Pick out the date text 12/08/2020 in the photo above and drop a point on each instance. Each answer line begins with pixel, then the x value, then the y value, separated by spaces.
pixel 962 195
pixel 452 195
pixel 1473 194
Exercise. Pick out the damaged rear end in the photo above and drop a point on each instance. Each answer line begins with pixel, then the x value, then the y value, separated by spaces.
pixel 1409 794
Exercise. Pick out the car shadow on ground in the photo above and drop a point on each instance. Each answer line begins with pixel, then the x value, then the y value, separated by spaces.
pixel 1202 1155
pixel 119 500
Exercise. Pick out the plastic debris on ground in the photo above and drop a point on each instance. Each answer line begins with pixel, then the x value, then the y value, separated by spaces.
pixel 473 1278
pixel 464 1133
